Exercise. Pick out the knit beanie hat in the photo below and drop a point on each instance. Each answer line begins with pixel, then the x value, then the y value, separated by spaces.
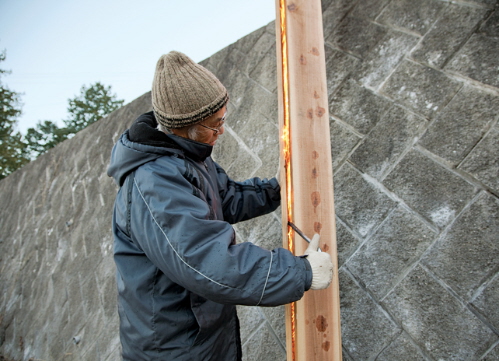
pixel 183 92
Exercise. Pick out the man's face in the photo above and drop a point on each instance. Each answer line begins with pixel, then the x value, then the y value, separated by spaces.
pixel 215 122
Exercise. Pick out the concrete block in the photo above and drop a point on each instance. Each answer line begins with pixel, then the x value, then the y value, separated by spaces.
pixel 325 4
pixel 225 149
pixel 91 248
pixel 493 355
pixel 401 349
pixel 57 278
pixel 247 43
pixel 346 243
pixel 356 36
pixel 270 28
pixel 359 203
pixel 238 84
pixel 263 140
pixel 369 9
pixel 357 106
pixel 485 302
pixel 107 341
pixel 265 73
pixel 360 315
pixel 461 124
pixel 75 297
pixel 387 141
pixel 429 189
pixel 275 317
pixel 455 25
pixel 343 141
pixel 417 16
pixel 56 320
pixel 77 251
pixel 251 107
pixel 346 356
pixel 469 249
pixel 79 200
pixel 476 61
pixel 333 12
pixel 436 320
pixel 90 296
pixel 213 62
pixel 227 68
pixel 124 117
pixel 420 88
pixel 258 51
pixel 91 351
pixel 264 231
pixel 270 164
pixel 483 162
pixel 486 3
pixel 245 166
pixel 250 319
pixel 384 58
pixel 263 345
pixel 115 355
pixel 109 297
pixel 491 26
pixel 116 123
pixel 395 247
pixel 338 66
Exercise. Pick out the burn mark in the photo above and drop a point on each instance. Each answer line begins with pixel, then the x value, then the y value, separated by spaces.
pixel 315 173
pixel 303 60
pixel 310 113
pixel 326 345
pixel 315 155
pixel 317 227
pixel 316 95
pixel 315 51
pixel 319 111
pixel 321 323
pixel 316 199
pixel 292 7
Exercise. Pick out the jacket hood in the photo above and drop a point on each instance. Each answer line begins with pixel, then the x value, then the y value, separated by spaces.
pixel 143 143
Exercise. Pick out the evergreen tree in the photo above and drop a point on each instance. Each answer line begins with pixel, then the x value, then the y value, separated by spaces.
pixel 12 149
pixel 94 102
pixel 44 136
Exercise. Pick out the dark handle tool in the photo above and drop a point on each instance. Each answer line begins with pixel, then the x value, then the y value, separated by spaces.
pixel 302 235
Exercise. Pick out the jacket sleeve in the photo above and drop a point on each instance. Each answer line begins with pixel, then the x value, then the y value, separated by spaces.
pixel 249 199
pixel 171 225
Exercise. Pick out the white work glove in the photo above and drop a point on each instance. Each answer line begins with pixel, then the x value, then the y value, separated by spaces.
pixel 322 266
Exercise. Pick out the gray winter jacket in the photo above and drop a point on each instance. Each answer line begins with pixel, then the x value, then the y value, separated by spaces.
pixel 179 269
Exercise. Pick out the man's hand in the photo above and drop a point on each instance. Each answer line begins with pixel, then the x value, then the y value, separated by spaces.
pixel 322 267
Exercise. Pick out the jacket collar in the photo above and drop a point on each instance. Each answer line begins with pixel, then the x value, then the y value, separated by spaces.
pixel 144 131
pixel 192 149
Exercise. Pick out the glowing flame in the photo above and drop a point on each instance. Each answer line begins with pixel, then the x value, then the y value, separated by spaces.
pixel 286 131
pixel 286 137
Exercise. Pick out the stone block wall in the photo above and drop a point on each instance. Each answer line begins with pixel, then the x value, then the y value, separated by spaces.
pixel 414 99
pixel 414 121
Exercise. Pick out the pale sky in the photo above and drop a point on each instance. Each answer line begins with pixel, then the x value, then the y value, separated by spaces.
pixel 56 46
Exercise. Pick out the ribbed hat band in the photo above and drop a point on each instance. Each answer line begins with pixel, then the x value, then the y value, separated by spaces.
pixel 183 92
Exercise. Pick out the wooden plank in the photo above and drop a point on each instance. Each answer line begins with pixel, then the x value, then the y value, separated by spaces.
pixel 312 324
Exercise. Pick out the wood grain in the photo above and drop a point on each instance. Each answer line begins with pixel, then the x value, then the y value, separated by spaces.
pixel 315 333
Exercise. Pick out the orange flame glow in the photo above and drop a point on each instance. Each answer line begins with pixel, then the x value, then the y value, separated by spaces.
pixel 286 138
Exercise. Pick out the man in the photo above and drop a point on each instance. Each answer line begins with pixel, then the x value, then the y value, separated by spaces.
pixel 180 272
